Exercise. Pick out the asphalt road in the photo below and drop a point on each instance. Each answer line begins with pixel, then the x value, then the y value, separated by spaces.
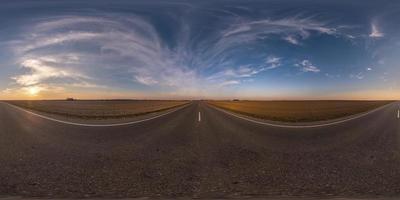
pixel 199 151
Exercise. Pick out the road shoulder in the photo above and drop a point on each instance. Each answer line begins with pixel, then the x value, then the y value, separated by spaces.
pixel 298 124
pixel 100 122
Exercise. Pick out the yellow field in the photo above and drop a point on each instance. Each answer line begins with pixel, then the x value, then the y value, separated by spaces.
pixel 94 109
pixel 298 111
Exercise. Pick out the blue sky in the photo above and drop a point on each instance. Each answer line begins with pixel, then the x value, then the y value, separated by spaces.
pixel 303 49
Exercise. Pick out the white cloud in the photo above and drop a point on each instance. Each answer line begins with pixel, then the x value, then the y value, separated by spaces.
pixel 146 80
pixel 229 82
pixel 7 91
pixel 231 76
pixel 39 72
pixel 375 32
pixel 285 25
pixel 307 66
pixel 240 29
pixel 291 39
pixel 273 62
pixel 52 51
pixel 244 71
pixel 369 69
pixel 63 21
pixel 332 75
pixel 56 39
pixel 293 27
pixel 244 33
pixel 84 84
pixel 358 76
pixel 62 51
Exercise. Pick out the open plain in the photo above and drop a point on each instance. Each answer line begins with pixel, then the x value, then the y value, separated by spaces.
pixel 299 111
pixel 98 109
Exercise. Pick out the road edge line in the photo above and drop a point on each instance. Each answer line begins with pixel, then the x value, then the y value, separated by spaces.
pixel 300 126
pixel 93 125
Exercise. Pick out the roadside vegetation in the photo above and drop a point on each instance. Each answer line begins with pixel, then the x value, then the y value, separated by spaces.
pixel 99 109
pixel 298 111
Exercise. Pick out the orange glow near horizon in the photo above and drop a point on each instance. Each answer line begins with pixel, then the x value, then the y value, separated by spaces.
pixel 33 91
pixel 38 93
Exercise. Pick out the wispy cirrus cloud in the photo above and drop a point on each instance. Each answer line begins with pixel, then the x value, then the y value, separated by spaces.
pixel 293 28
pixel 56 39
pixel 130 46
pixel 273 62
pixel 119 50
pixel 307 66
pixel 375 32
pixel 41 70
pixel 250 33
pixel 244 71
pixel 358 76
pixel 291 39
pixel 229 82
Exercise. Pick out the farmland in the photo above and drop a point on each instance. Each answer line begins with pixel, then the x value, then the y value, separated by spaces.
pixel 99 109
pixel 298 111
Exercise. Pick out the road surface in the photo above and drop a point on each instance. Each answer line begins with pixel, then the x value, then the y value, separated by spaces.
pixel 199 151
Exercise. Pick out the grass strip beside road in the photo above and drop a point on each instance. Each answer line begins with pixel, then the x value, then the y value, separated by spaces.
pixel 298 111
pixel 98 109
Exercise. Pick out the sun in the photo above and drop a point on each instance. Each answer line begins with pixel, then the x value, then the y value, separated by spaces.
pixel 33 91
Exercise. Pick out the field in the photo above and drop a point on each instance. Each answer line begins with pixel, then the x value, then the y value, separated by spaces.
pixel 298 111
pixel 99 109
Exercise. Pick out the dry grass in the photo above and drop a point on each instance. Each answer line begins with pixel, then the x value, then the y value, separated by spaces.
pixel 298 111
pixel 99 109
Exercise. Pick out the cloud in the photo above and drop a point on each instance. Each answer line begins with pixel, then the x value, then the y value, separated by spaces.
pixel 332 75
pixel 358 76
pixel 295 25
pixel 375 32
pixel 41 71
pixel 307 66
pixel 45 41
pixel 126 50
pixel 273 62
pixel 7 91
pixel 63 51
pixel 292 27
pixel 229 82
pixel 242 34
pixel 146 80
pixel 243 71
pixel 369 69
pixel 291 40
pixel 32 90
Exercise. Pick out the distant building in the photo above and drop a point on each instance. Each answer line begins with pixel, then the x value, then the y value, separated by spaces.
pixel 70 99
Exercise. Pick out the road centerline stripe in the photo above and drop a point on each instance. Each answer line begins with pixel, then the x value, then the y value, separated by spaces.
pixel 199 117
pixel 398 114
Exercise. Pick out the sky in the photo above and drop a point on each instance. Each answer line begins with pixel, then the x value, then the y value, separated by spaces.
pixel 270 49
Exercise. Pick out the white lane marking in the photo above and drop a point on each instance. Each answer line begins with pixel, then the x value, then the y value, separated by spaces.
pixel 94 125
pixel 301 126
pixel 398 114
pixel 199 117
